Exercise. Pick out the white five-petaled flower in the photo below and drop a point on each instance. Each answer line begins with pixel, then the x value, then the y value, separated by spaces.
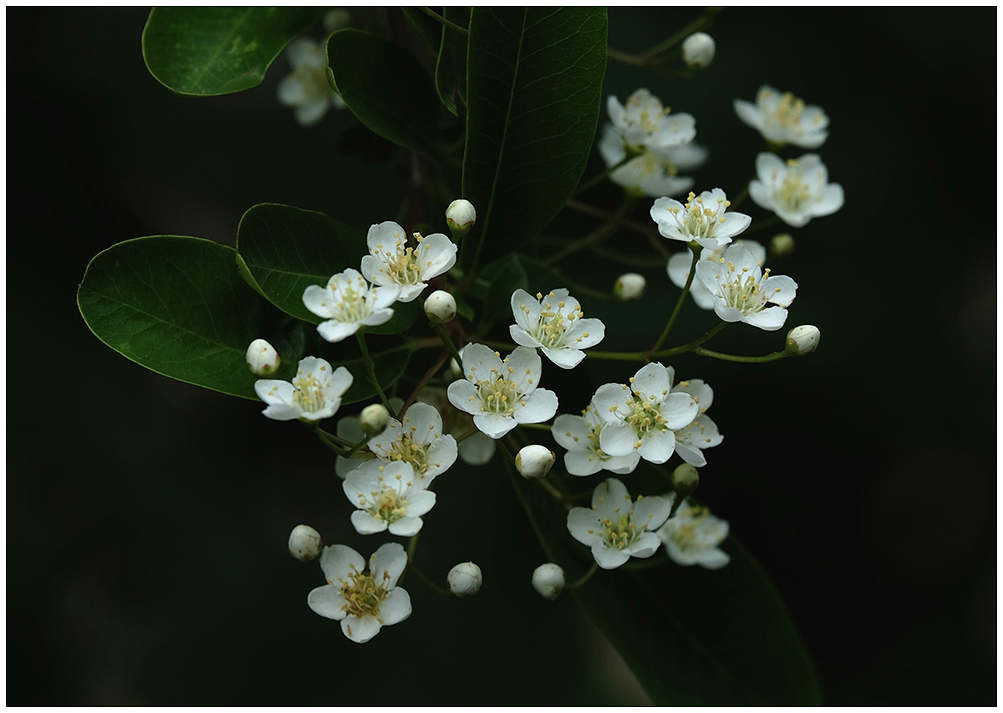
pixel 554 323
pixel 703 219
pixel 363 602
pixel 617 528
pixel 502 393
pixel 643 417
pixel 797 190
pixel 307 87
pixel 644 123
pixel 580 436
pixel 475 449
pixel 656 171
pixel 348 302
pixel 692 536
pixel 391 262
pixel 783 118
pixel 743 292
pixel 389 497
pixel 702 433
pixel 314 393
pixel 678 268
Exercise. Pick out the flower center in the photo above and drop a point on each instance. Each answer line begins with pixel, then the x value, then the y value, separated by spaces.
pixel 698 220
pixel 404 449
pixel 353 306
pixel 403 267
pixel 793 192
pixel 499 396
pixel 362 595
pixel 553 324
pixel 388 505
pixel 743 291
pixel 309 393
pixel 789 111
pixel 687 536
pixel 645 417
pixel 621 533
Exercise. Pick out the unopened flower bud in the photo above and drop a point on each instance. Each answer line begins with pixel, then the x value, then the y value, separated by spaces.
pixel 465 579
pixel 782 244
pixel 803 340
pixel 460 217
pixel 440 307
pixel 685 479
pixel 454 369
pixel 630 286
pixel 305 543
pixel 534 462
pixel 262 359
pixel 698 50
pixel 336 19
pixel 374 419
pixel 548 580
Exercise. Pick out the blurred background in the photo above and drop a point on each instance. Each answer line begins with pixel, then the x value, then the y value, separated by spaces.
pixel 147 519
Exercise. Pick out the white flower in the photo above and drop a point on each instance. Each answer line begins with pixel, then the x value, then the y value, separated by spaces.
pixel 465 579
pixel 350 429
pixel 475 448
pixel 389 496
pixel 692 536
pixel 679 264
pixel 362 602
pixel 307 87
pixel 702 433
pixel 644 122
pixel 554 323
pixel 783 118
pixel 348 302
pixel 390 262
pixel 548 580
pixel 643 417
pixel 698 50
pixel 500 394
pixel 742 290
pixel 704 219
pixel 305 543
pixel 580 436
pixel 656 171
pixel 796 191
pixel 314 394
pixel 616 528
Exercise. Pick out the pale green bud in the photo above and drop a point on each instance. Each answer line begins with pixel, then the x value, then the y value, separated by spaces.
pixel 548 580
pixel 782 244
pixel 460 217
pixel 698 50
pixel 440 307
pixel 630 286
pixel 262 359
pixel 803 340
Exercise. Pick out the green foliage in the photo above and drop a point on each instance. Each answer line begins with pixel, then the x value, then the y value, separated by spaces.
pixel 451 64
pixel 534 89
pixel 207 51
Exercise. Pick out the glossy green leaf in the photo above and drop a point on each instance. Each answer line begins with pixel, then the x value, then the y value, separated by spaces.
pixel 385 87
pixel 691 636
pixel 451 64
pixel 206 51
pixel 534 89
pixel 389 367
pixel 503 277
pixel 281 250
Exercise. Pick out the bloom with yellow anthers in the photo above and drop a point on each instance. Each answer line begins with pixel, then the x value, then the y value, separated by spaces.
pixel 744 292
pixel 644 123
pixel 314 393
pixel 702 433
pixel 656 171
pixel 554 323
pixel 502 393
pixel 307 88
pixel 388 496
pixel 703 219
pixel 797 190
pixel 616 527
pixel 643 416
pixel 363 602
pixel 392 262
pixel 784 119
pixel 348 302
pixel 692 536
pixel 580 436
pixel 678 269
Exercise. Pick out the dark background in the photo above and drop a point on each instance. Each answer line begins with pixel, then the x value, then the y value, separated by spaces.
pixel 147 519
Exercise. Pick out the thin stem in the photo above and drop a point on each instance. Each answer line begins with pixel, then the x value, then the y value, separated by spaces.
pixel 423 382
pixel 646 356
pixel 768 223
pixel 609 169
pixel 671 43
pixel 745 359
pixel 328 440
pixel 447 340
pixel 741 197
pixel 585 577
pixel 371 371
pixel 644 564
pixel 626 57
pixel 596 235
pixel 427 580
pixel 538 426
pixel 696 248
pixel 495 345
pixel 440 19
pixel 609 217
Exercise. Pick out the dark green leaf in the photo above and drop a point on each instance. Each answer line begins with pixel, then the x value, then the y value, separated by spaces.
pixel 426 26
pixel 534 89
pixel 504 277
pixel 389 367
pixel 385 88
pixel 206 51
pixel 451 65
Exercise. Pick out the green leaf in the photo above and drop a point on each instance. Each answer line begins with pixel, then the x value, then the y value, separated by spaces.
pixel 207 51
pixel 389 366
pixel 281 250
pixel 385 87
pixel 451 65
pixel 691 636
pixel 504 277
pixel 534 89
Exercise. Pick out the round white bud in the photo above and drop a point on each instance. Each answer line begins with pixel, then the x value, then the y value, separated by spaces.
pixel 336 19
pixel 685 479
pixel 262 359
pixel 465 579
pixel 374 419
pixel 698 50
pixel 460 217
pixel 440 307
pixel 630 286
pixel 803 340
pixel 305 543
pixel 534 462
pixel 548 580
pixel 782 244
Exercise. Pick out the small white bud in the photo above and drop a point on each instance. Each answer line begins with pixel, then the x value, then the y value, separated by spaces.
pixel 698 50
pixel 685 479
pixel 534 462
pixel 465 579
pixel 305 543
pixel 374 419
pixel 803 340
pixel 336 19
pixel 782 244
pixel 460 217
pixel 630 286
pixel 548 580
pixel 455 369
pixel 440 307
pixel 262 359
